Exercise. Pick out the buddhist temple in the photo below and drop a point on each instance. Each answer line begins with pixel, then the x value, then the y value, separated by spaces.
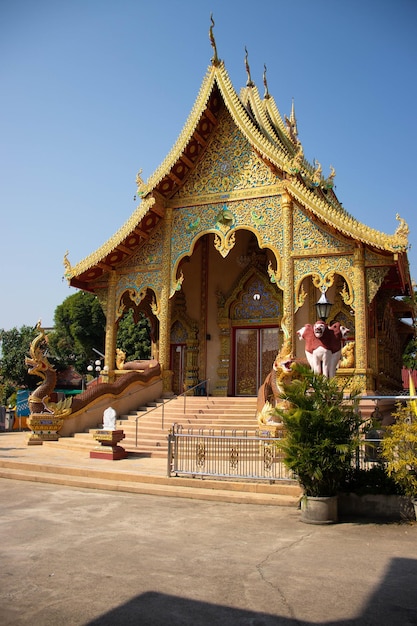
pixel 235 238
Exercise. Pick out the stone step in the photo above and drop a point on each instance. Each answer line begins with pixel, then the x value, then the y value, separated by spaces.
pixel 284 494
pixel 213 414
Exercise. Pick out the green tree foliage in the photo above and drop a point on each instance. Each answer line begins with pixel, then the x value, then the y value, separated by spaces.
pixel 15 345
pixel 399 449
pixel 134 339
pixel 79 327
pixel 410 355
pixel 320 431
pixel 410 352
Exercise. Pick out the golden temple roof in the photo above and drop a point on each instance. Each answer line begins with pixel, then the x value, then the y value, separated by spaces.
pixel 274 139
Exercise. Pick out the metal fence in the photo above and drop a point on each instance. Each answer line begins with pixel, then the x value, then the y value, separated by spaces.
pixel 225 454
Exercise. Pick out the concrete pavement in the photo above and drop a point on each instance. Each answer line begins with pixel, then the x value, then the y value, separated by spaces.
pixel 75 557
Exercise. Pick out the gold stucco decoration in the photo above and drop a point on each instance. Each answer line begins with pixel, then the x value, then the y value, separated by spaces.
pixel 374 279
pixel 177 284
pixel 323 282
pixel 274 275
pixel 155 308
pixel 224 244
pixel 347 295
pixel 300 296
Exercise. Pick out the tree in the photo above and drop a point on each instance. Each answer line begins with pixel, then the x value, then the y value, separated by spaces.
pixel 15 345
pixel 410 352
pixel 134 339
pixel 79 327
pixel 410 355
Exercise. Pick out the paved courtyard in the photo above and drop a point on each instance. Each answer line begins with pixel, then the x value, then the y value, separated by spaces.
pixel 82 557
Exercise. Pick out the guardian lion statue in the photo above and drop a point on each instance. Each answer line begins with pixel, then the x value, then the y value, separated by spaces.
pixel 270 392
pixel 323 346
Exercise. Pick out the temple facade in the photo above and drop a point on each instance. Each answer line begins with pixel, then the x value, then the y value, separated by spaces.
pixel 235 238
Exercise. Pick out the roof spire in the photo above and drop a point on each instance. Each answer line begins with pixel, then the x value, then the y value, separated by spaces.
pixel 266 94
pixel 249 82
pixel 215 59
pixel 292 124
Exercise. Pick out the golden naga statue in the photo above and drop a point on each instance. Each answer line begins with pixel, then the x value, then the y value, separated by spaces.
pixel 144 366
pixel 39 366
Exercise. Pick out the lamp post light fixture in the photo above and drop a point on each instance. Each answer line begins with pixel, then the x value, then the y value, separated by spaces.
pixel 323 307
pixel 95 368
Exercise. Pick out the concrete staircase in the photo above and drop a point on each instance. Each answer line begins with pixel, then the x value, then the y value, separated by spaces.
pixel 67 461
pixel 146 430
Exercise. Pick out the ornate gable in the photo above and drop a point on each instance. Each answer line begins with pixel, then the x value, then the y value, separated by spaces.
pixel 310 237
pixel 229 164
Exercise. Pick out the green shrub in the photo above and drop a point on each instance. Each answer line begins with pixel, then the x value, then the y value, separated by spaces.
pixel 321 431
pixel 399 449
pixel 375 480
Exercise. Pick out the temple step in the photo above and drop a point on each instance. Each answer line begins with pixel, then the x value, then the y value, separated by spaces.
pixel 153 425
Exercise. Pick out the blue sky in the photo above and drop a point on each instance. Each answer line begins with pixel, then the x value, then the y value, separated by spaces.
pixel 94 90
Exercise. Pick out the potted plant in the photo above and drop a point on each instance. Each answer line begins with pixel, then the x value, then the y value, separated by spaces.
pixel 399 449
pixel 321 430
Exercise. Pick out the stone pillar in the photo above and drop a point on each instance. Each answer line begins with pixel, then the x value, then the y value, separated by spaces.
pixel 287 281
pixel 110 347
pixel 165 305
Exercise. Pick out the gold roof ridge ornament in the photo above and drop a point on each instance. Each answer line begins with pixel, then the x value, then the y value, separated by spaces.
pixel 291 123
pixel 215 59
pixel 266 92
pixel 68 268
pixel 249 82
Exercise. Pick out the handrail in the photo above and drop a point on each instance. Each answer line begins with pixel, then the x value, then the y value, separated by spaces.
pixel 164 402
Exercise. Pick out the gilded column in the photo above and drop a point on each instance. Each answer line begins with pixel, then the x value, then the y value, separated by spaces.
pixel 287 281
pixel 361 317
pixel 110 346
pixel 165 304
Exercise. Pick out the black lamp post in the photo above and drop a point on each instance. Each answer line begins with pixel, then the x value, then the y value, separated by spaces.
pixel 323 307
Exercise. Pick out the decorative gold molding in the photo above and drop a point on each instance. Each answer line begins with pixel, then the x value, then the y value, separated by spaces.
pixel 264 191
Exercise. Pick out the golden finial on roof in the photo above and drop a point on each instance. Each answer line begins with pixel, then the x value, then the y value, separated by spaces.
pixel 402 228
pixel 139 179
pixel 215 59
pixel 330 178
pixel 141 187
pixel 291 123
pixel 67 266
pixel 249 82
pixel 298 159
pixel 266 94
pixel 317 173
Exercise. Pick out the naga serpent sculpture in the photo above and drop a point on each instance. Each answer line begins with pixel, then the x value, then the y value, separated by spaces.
pixel 39 366
pixel 40 400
